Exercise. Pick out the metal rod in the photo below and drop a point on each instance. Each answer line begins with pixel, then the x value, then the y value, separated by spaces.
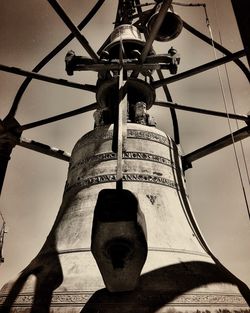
pixel 216 145
pixel 121 129
pixel 138 6
pixel 166 91
pixel 83 41
pixel 115 67
pixel 199 69
pixel 59 116
pixel 50 56
pixel 219 47
pixel 176 106
pixel 44 149
pixel 48 79
pixel 163 10
pixel 172 110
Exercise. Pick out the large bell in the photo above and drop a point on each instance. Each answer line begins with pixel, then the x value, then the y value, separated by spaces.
pixel 180 274
pixel 171 26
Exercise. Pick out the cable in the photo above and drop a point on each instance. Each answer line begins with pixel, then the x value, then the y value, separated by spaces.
pixel 226 109
pixel 228 81
pixel 233 105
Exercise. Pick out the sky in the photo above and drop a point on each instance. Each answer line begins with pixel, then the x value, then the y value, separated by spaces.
pixel 33 189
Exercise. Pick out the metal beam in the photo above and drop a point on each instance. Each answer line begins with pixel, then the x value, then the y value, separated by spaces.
pixel 10 133
pixel 215 146
pixel 59 117
pixel 49 79
pixel 128 66
pixel 241 11
pixel 5 153
pixel 44 149
pixel 172 110
pixel 161 15
pixel 50 56
pixel 83 41
pixel 199 69
pixel 163 10
pixel 176 106
pixel 219 47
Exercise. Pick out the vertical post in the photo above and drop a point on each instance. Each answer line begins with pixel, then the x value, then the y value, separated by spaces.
pixel 241 11
pixel 5 152
pixel 122 129
pixel 2 233
pixel 10 132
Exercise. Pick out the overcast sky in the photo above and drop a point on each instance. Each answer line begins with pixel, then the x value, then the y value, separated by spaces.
pixel 34 183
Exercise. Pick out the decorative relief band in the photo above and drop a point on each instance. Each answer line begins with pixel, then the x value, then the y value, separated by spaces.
pixel 141 134
pixel 130 155
pixel 85 183
pixel 80 298
pixel 131 133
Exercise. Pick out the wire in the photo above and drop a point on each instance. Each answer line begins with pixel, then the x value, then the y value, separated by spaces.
pixel 237 123
pixel 226 109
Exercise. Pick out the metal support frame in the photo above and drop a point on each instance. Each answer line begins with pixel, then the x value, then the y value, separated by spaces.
pixel 48 79
pixel 10 133
pixel 75 32
pixel 245 118
pixel 83 41
pixel 51 55
pixel 2 233
pixel 217 46
pixel 241 11
pixel 199 69
pixel 172 110
pixel 44 149
pixel 153 62
pixel 161 15
pixel 59 117
pixel 164 8
pixel 215 146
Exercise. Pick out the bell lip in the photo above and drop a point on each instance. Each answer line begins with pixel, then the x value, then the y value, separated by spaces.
pixel 112 44
pixel 104 86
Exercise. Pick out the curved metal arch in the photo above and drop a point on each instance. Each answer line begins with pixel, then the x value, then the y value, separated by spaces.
pixel 219 47
pixel 50 56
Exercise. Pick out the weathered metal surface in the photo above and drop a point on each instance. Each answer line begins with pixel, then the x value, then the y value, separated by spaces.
pixel 179 274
